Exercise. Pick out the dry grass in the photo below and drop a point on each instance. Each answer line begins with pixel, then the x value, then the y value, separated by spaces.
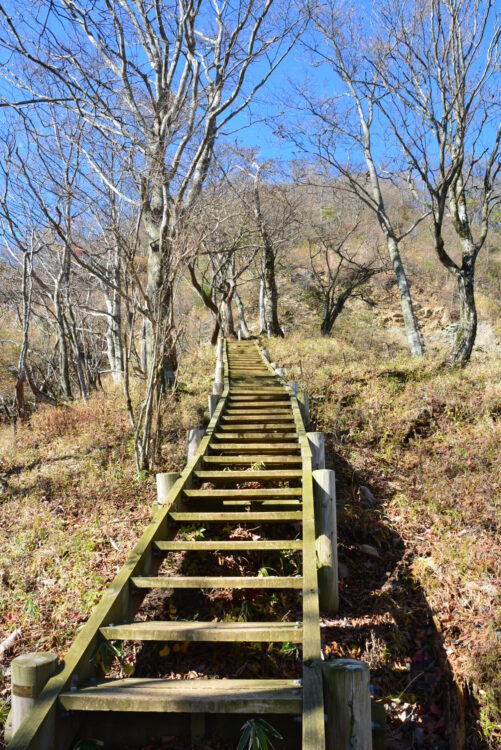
pixel 72 507
pixel 427 439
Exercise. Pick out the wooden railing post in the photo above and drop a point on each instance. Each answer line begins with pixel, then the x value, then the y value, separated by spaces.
pixel 218 387
pixel 213 402
pixel 194 437
pixel 317 447
pixel 304 405
pixel 30 673
pixel 165 481
pixel 219 350
pixel 347 704
pixel 324 486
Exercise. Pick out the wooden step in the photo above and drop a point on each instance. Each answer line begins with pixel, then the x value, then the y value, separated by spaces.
pixel 151 695
pixel 257 405
pixel 261 399
pixel 232 545
pixel 267 475
pixel 270 391
pixel 218 582
pixel 264 426
pixel 253 459
pixel 229 632
pixel 276 516
pixel 268 493
pixel 245 505
pixel 265 437
pixel 258 447
pixel 264 412
pixel 259 418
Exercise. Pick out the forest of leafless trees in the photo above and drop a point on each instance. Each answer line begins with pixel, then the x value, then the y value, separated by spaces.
pixel 125 190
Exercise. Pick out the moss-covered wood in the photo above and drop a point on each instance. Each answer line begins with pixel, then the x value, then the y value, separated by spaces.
pixel 271 632
pixel 210 696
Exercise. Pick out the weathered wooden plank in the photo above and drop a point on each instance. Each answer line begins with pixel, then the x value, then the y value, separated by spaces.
pixel 285 410
pixel 219 517
pixel 254 437
pixel 236 392
pixel 172 696
pixel 270 632
pixel 259 418
pixel 252 460
pixel 266 475
pixel 258 447
pixel 265 493
pixel 251 398
pixel 288 426
pixel 253 404
pixel 231 545
pixel 245 505
pixel 218 582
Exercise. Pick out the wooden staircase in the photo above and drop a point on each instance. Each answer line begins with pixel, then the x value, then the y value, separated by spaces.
pixel 253 466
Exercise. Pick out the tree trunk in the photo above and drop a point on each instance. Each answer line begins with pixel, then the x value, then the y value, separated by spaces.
pixel 332 309
pixel 228 324
pixel 327 323
pixel 262 308
pixel 270 284
pixel 410 321
pixel 64 368
pixel 156 222
pixel 467 329
pixel 271 292
pixel 143 351
pixel 77 356
pixel 215 332
pixel 115 322
pixel 246 334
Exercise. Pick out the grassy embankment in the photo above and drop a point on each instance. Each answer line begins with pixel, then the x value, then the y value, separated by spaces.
pixel 72 507
pixel 425 440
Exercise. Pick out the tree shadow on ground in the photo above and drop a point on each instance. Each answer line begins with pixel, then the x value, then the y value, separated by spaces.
pixel 386 620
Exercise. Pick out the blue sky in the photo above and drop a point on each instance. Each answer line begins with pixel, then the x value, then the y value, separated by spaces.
pixel 276 102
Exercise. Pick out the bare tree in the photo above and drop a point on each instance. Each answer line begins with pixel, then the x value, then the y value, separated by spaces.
pixel 344 135
pixel 439 79
pixel 173 107
pixel 269 280
pixel 341 263
pixel 224 246
pixel 162 80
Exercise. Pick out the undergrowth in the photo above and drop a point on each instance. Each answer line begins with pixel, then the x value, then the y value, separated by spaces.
pixel 427 440
pixel 72 507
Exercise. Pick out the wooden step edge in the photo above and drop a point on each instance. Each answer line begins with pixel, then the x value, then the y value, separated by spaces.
pixel 218 582
pixel 277 516
pixel 248 476
pixel 230 447
pixel 263 492
pixel 256 436
pixel 154 695
pixel 264 427
pixel 196 631
pixel 260 545
pixel 253 459
pixel 253 405
pixel 252 504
